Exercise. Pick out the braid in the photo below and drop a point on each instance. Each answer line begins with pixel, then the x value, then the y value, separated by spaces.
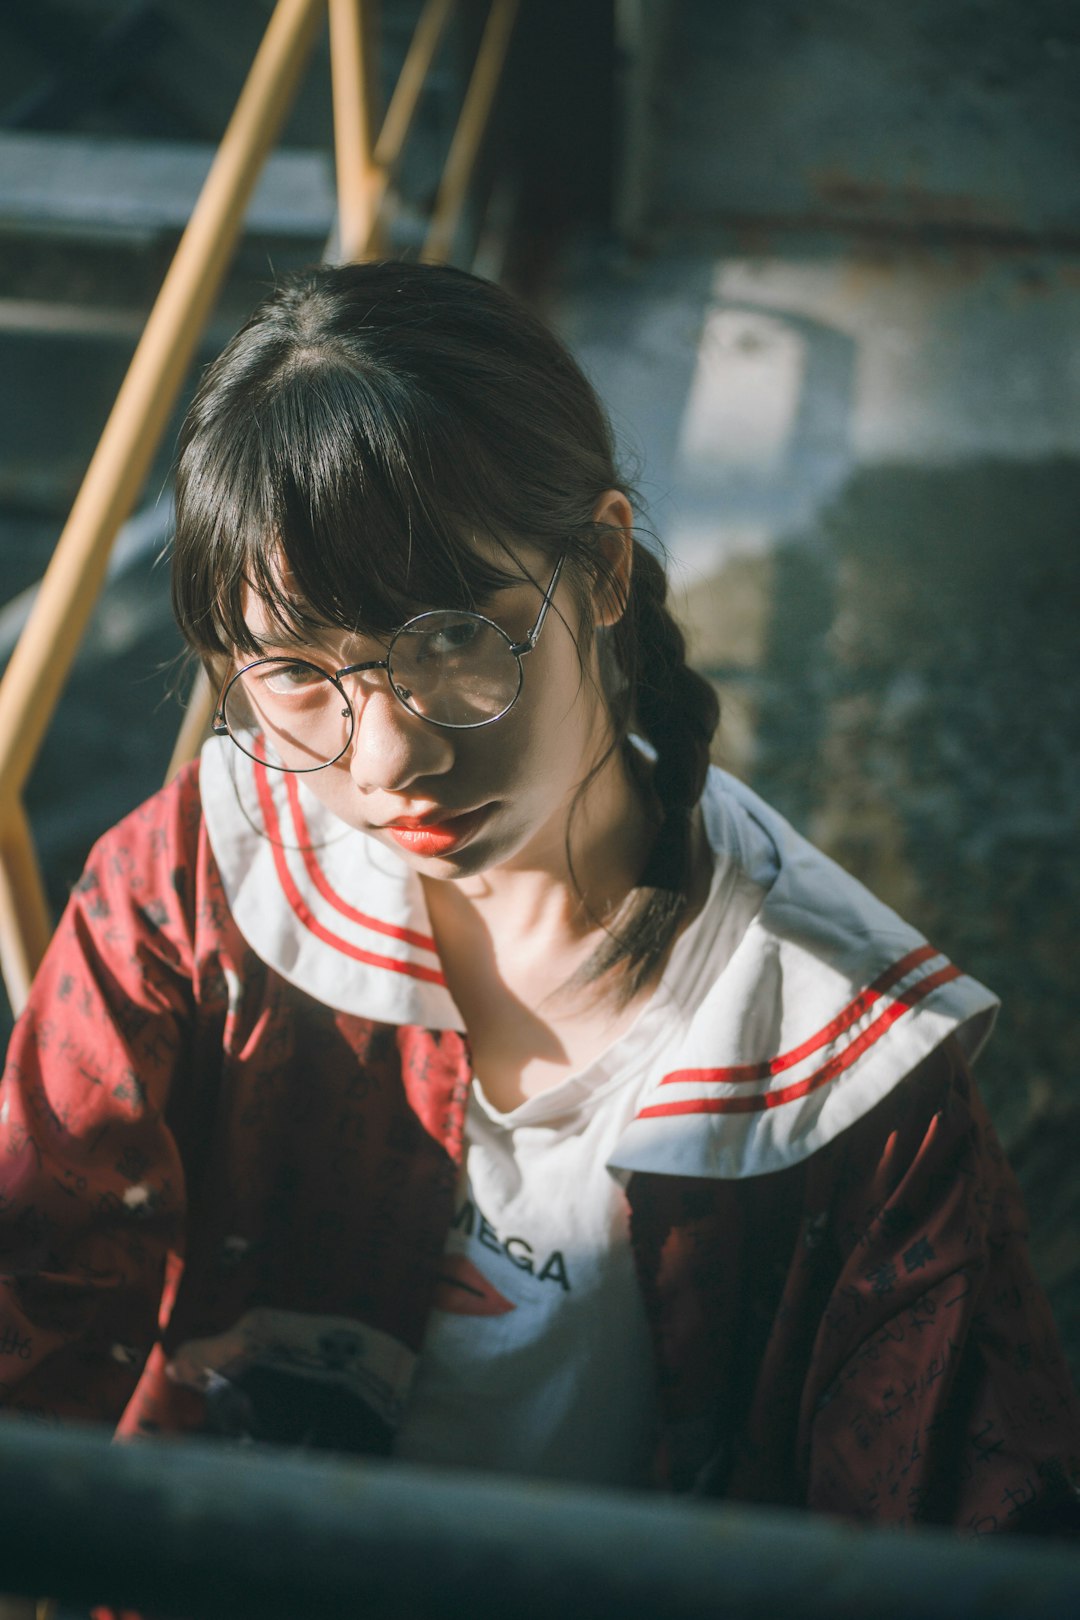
pixel 676 708
pixel 677 712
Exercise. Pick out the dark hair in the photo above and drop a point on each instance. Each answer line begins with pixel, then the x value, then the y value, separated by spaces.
pixel 364 428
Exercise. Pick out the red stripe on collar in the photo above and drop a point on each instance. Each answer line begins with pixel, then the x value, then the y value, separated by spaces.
pixel 800 1088
pixel 304 913
pixel 423 942
pixel 743 1073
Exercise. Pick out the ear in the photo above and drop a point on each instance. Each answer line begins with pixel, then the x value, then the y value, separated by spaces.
pixel 615 516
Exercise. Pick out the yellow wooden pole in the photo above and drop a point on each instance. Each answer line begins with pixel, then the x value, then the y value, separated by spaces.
pixel 414 71
pixel 194 727
pixel 25 924
pixel 41 660
pixel 362 198
pixel 354 79
pixel 475 111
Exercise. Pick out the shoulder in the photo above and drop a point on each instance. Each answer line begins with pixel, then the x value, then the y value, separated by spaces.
pixel 149 896
pixel 171 817
pixel 155 848
pixel 116 983
pixel 822 1003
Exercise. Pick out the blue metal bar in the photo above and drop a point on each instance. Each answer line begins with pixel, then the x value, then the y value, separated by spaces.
pixel 186 1528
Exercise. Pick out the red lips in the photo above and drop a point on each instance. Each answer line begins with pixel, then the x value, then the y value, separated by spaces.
pixel 432 835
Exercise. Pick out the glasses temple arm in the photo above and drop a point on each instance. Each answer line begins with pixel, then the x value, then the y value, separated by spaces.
pixel 520 648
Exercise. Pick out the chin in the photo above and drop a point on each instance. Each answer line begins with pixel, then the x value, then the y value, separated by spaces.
pixel 470 861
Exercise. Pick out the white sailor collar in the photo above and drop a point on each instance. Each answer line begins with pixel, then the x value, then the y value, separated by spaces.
pixel 334 912
pixel 825 1004
pixel 822 1000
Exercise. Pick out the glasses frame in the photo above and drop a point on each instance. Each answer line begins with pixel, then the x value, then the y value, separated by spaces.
pixel 518 649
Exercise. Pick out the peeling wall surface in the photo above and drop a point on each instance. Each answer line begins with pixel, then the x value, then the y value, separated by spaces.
pixel 845 354
pixel 961 112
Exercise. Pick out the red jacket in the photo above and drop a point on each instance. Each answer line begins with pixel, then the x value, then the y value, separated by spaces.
pixel 858 1332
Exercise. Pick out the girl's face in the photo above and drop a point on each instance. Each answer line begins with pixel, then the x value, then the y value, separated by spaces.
pixel 455 803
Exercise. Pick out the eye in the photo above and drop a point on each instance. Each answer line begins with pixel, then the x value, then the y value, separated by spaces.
pixel 287 677
pixel 445 637
pixel 453 637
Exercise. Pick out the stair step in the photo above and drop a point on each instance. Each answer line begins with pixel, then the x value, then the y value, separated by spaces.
pixel 104 186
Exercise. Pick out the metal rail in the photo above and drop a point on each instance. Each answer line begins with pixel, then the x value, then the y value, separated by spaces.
pixel 210 1532
pixel 42 659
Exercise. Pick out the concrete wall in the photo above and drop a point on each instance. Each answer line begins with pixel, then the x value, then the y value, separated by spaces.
pixel 902 112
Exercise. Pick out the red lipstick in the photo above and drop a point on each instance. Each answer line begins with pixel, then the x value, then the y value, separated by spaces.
pixel 426 837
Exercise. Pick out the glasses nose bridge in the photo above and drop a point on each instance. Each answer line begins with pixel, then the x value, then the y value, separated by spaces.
pixel 356 697
pixel 362 668
pixel 353 695
pixel 392 747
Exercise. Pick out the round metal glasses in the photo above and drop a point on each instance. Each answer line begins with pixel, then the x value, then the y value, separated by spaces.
pixel 454 669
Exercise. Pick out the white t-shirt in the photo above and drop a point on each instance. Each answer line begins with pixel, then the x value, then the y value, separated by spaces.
pixel 791 1007
pixel 537 1357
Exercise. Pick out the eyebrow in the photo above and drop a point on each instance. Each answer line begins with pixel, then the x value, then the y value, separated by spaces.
pixel 278 636
pixel 304 638
pixel 313 652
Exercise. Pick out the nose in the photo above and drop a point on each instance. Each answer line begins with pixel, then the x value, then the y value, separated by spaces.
pixel 392 748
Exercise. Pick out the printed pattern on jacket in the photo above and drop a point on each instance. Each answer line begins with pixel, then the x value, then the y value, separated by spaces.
pixel 195 1152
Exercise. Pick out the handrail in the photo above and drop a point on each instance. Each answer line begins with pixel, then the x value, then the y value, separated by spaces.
pixel 411 79
pixel 43 655
pixel 118 468
pixel 41 660
pixel 194 727
pixel 353 57
pixel 24 913
pixel 471 125
pixel 215 1532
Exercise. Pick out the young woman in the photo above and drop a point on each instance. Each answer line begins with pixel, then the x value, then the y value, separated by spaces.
pixel 452 1065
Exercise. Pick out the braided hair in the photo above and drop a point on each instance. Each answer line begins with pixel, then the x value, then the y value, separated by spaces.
pixel 676 712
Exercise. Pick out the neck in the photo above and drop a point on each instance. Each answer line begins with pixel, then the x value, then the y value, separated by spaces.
pixel 570 881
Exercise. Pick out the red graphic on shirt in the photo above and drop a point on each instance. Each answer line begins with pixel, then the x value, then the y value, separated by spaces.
pixel 464 1291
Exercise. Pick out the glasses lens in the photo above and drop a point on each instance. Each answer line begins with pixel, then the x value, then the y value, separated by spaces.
pixel 454 668
pixel 288 714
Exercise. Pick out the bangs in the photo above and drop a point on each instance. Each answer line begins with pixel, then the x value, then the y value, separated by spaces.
pixel 337 507
pixel 379 440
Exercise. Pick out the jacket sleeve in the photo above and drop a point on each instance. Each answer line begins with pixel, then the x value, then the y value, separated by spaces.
pixel 937 1388
pixel 91 1185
